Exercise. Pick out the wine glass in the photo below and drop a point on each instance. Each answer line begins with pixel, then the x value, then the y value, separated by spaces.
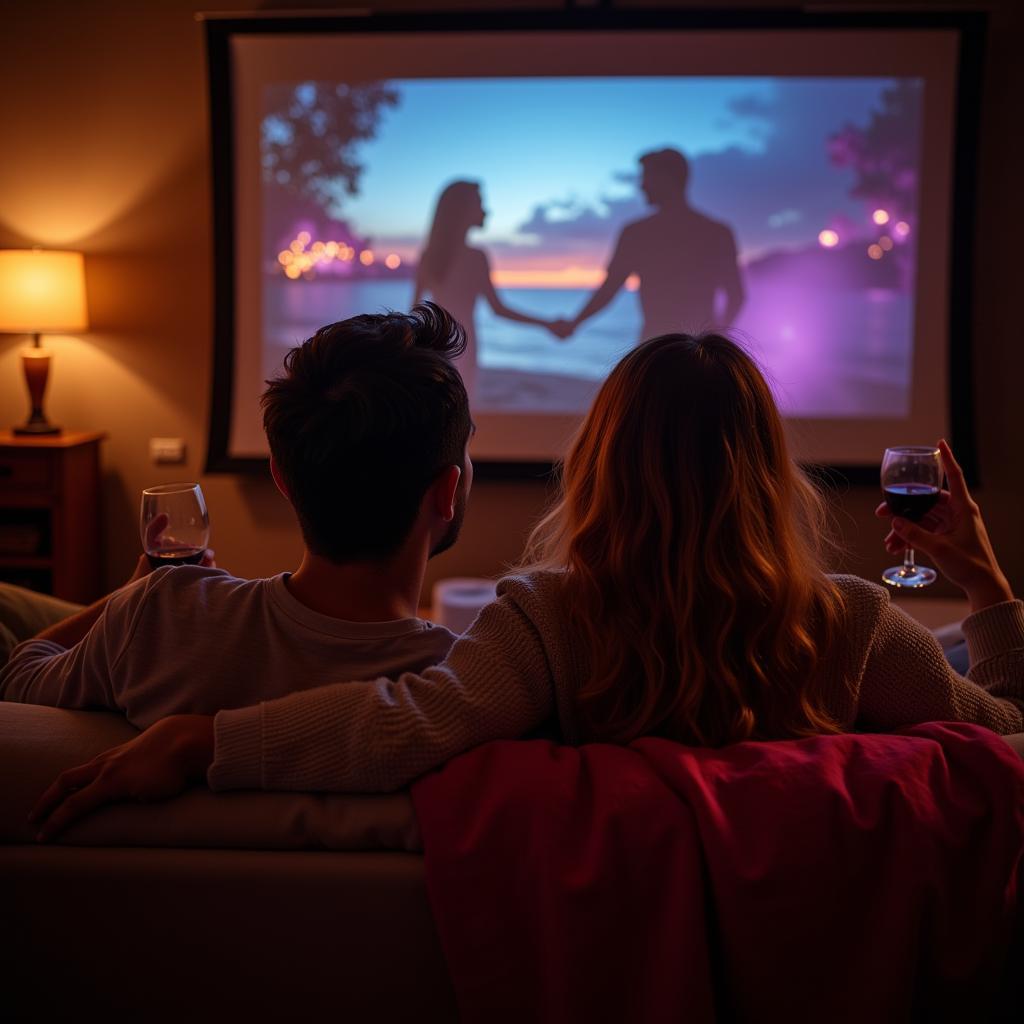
pixel 911 481
pixel 174 524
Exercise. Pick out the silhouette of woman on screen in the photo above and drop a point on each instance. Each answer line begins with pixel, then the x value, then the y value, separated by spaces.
pixel 456 274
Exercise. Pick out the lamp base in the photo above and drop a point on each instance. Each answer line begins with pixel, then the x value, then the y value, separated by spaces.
pixel 39 429
pixel 35 362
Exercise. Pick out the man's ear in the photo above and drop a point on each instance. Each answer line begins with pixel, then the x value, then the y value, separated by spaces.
pixel 279 483
pixel 445 488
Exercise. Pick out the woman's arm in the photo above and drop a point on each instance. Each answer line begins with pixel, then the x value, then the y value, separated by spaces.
pixel 906 678
pixel 496 683
pixel 494 300
pixel 953 534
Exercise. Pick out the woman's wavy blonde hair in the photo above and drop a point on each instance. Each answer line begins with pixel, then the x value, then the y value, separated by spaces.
pixel 693 548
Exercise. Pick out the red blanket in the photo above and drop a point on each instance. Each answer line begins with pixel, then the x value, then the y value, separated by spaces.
pixel 843 878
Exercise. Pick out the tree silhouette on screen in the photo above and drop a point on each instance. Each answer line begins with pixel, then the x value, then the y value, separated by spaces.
pixel 311 133
pixel 884 154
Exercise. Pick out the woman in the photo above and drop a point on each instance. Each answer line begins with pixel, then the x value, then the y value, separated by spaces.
pixel 456 275
pixel 676 588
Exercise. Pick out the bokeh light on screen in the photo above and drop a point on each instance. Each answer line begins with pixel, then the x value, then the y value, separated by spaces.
pixel 880 217
pixel 304 256
pixel 875 252
pixel 828 238
pixel 901 229
pixel 885 242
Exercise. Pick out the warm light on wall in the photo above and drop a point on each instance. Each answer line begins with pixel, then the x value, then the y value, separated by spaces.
pixel 40 292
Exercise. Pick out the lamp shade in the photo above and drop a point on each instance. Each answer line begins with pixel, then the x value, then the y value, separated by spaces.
pixel 42 291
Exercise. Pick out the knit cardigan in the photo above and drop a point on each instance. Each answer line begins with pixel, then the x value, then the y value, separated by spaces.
pixel 518 668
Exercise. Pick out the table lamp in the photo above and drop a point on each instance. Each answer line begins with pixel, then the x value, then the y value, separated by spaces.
pixel 41 291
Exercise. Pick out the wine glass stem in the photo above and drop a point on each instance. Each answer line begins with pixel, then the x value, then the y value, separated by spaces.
pixel 908 562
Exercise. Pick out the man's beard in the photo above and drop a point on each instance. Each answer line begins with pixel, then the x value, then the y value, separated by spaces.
pixel 451 535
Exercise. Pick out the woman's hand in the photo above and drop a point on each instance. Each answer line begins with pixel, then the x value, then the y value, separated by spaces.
pixel 953 535
pixel 156 765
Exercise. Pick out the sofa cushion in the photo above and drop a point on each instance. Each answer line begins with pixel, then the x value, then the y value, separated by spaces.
pixel 24 613
pixel 38 743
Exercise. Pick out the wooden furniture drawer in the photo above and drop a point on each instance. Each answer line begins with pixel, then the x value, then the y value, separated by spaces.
pixel 50 523
pixel 25 469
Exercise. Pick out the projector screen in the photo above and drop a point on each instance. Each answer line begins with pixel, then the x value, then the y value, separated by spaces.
pixel 793 185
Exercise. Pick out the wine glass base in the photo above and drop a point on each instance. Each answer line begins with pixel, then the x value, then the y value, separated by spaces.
pixel 916 576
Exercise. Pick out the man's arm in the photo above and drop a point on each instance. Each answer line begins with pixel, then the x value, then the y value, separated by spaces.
pixel 71 630
pixel 73 664
pixel 619 268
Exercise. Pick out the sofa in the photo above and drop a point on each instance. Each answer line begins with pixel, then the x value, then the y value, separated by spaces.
pixel 241 906
pixel 255 906
pixel 234 906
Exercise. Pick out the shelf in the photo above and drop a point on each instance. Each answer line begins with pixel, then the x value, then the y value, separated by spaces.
pixel 50 513
pixel 25 562
pixel 12 499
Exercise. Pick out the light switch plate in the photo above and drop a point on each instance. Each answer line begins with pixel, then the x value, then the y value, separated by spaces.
pixel 164 450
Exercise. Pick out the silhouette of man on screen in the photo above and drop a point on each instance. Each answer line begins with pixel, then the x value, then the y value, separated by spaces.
pixel 684 259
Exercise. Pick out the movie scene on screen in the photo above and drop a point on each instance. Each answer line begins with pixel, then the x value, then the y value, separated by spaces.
pixel 562 220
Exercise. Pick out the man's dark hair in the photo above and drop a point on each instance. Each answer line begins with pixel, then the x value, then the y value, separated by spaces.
pixel 368 413
pixel 670 164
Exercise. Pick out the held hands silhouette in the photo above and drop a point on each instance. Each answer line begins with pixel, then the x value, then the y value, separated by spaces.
pixel 562 329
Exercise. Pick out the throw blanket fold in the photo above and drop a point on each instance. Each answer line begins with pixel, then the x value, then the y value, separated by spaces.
pixel 840 878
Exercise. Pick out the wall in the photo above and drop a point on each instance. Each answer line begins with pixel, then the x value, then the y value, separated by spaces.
pixel 105 150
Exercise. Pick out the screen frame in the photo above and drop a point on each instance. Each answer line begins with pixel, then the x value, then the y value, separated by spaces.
pixel 970 27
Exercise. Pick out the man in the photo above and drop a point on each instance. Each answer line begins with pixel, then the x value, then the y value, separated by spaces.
pixel 368 429
pixel 684 259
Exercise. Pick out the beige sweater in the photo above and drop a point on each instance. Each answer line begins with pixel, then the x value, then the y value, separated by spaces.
pixel 196 640
pixel 516 669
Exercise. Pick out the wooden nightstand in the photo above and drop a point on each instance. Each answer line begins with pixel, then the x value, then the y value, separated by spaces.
pixel 50 513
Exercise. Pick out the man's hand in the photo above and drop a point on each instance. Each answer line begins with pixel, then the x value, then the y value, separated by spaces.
pixel 156 765
pixel 154 531
pixel 953 534
pixel 143 567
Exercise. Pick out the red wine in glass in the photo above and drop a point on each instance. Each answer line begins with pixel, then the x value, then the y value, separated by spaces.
pixel 911 477
pixel 176 556
pixel 911 501
pixel 174 524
